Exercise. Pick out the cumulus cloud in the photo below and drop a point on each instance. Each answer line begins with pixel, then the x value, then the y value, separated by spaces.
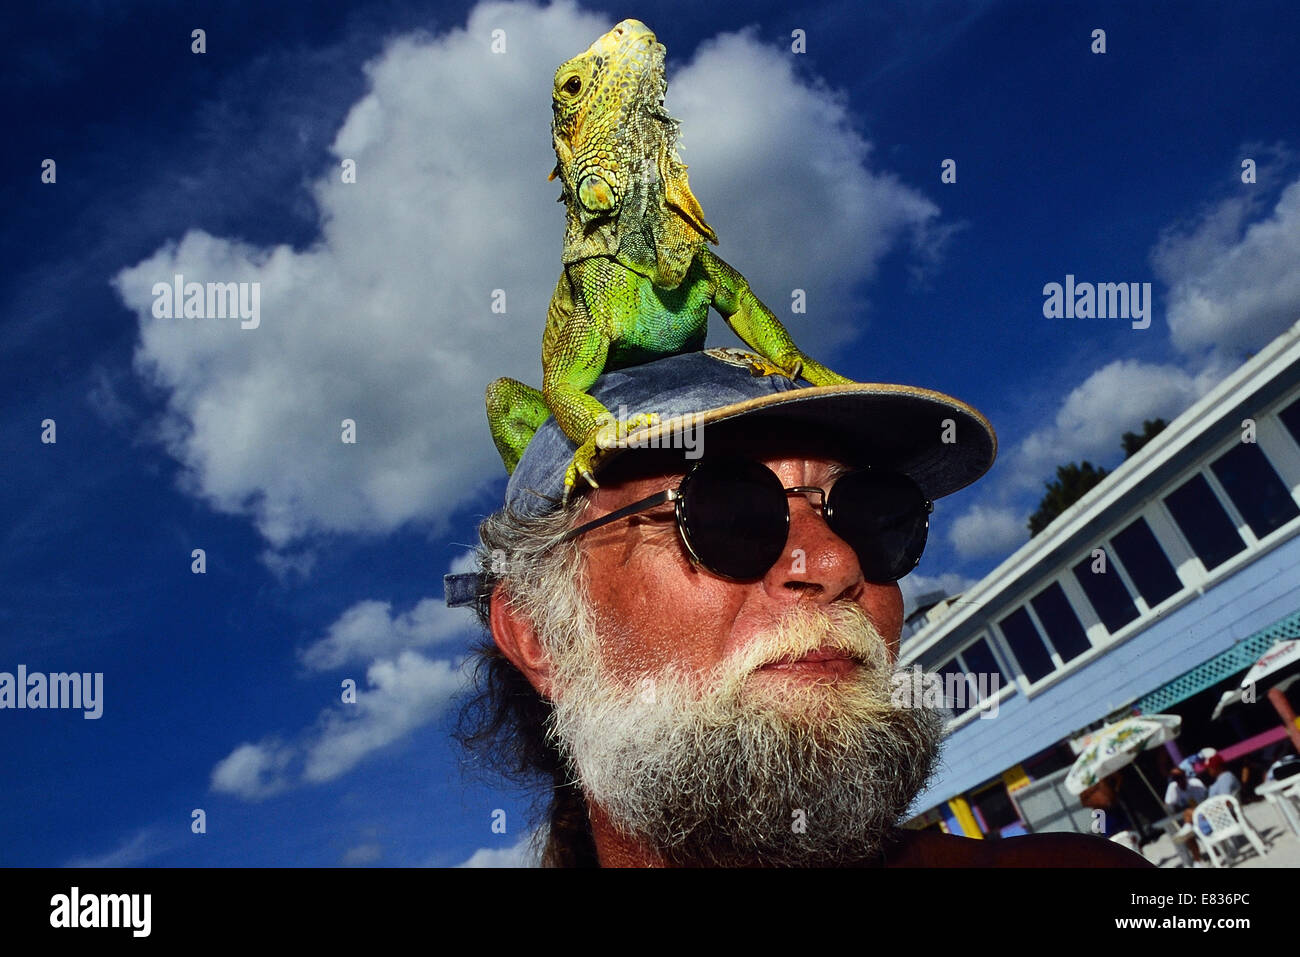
pixel 987 530
pixel 522 854
pixel 1115 399
pixel 1233 285
pixel 386 318
pixel 253 771
pixel 403 694
pixel 1088 424
pixel 370 630
pixel 796 147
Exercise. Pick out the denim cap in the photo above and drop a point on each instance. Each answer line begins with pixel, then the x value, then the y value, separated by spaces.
pixel 941 443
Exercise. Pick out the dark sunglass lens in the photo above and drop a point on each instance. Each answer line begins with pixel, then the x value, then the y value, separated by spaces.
pixel 736 518
pixel 884 518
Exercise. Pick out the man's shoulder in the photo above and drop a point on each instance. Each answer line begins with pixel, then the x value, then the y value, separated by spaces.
pixel 933 849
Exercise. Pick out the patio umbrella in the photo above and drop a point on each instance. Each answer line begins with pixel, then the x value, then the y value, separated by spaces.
pixel 1117 745
pixel 1281 655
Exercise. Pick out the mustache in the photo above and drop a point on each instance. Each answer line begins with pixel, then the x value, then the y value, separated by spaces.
pixel 843 628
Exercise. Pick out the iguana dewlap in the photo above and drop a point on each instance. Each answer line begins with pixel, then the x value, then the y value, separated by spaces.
pixel 638 277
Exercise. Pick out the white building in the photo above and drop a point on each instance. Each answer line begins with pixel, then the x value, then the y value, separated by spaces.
pixel 1152 593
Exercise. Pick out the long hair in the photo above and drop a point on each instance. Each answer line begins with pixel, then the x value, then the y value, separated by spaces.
pixel 504 724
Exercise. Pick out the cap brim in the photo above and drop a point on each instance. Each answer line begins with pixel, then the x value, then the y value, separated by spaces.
pixel 940 442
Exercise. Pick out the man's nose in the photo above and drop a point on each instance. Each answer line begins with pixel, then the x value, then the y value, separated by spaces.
pixel 817 565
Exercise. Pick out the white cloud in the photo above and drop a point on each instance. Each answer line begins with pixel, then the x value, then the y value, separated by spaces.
pixel 1233 289
pixel 361 855
pixel 403 694
pixel 385 319
pixel 785 175
pixel 1115 399
pixel 253 771
pixel 1088 425
pixel 466 561
pixel 289 564
pixel 369 630
pixel 521 855
pixel 145 844
pixel 987 530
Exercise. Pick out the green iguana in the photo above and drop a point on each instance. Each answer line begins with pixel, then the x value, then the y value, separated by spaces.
pixel 638 275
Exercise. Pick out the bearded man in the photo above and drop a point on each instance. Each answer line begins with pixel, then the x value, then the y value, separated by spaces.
pixel 698 656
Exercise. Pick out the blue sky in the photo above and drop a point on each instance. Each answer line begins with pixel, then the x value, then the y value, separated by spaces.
pixel 819 171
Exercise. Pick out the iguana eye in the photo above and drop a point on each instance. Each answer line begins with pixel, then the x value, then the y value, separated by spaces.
pixel 573 85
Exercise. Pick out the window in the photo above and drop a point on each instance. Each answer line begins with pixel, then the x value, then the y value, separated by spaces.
pixel 1146 563
pixel 1260 496
pixel 1290 417
pixel 1062 625
pixel 979 660
pixel 1205 524
pixel 996 809
pixel 1110 599
pixel 1026 644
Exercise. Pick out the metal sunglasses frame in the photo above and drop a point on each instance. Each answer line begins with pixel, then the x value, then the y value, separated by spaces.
pixel 678 497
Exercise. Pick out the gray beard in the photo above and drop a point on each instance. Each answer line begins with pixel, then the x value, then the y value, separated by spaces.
pixel 732 770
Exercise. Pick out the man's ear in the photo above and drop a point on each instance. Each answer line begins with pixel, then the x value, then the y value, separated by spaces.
pixel 517 639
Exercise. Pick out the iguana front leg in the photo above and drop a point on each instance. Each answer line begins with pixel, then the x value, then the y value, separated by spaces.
pixel 574 349
pixel 515 412
pixel 758 326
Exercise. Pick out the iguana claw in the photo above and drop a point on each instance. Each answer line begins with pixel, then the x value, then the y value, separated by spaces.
pixel 608 434
pixel 584 463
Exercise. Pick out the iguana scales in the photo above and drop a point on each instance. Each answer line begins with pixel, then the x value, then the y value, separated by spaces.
pixel 638 277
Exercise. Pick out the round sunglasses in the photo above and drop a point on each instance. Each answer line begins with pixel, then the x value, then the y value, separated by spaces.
pixel 733 516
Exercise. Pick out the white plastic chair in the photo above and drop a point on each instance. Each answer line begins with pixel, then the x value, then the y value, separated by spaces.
pixel 1287 804
pixel 1227 821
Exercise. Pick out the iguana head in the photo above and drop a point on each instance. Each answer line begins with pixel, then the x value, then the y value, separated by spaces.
pixel 625 187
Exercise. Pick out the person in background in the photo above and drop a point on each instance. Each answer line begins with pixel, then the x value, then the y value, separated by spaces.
pixel 1104 796
pixel 1184 791
pixel 1183 794
pixel 1222 781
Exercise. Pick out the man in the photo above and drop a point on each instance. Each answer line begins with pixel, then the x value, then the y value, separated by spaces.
pixel 1183 794
pixel 1183 791
pixel 699 653
pixel 1222 781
